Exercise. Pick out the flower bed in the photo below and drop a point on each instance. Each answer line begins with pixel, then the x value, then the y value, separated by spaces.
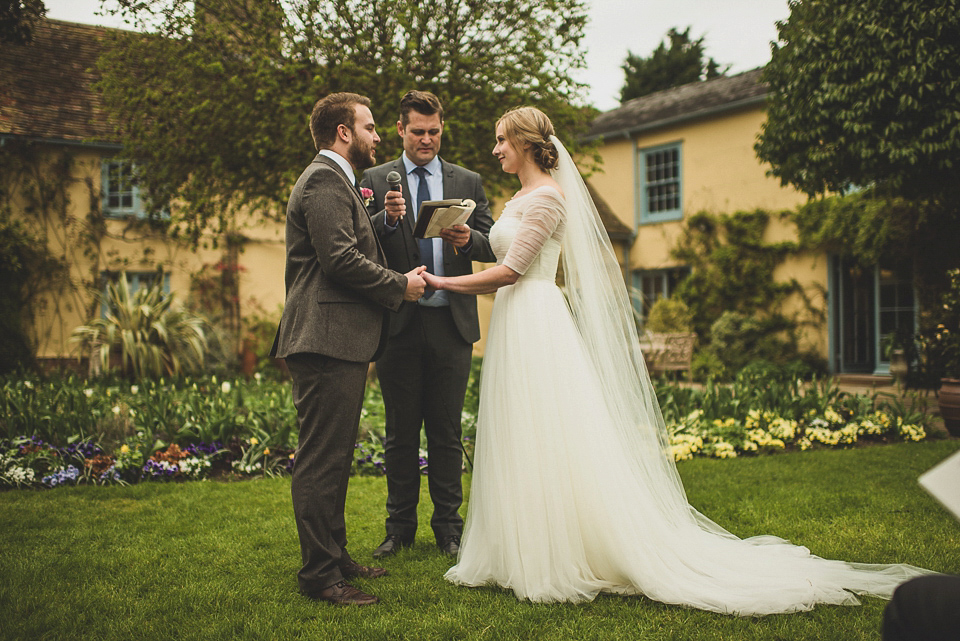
pixel 67 431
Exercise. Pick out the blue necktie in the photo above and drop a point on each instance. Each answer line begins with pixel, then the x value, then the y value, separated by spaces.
pixel 425 244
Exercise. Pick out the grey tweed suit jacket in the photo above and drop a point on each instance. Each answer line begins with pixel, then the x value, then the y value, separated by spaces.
pixel 401 247
pixel 338 289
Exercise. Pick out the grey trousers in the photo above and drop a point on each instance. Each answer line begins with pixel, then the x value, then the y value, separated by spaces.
pixel 328 395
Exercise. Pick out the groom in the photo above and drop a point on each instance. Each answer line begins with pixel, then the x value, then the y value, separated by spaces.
pixel 338 293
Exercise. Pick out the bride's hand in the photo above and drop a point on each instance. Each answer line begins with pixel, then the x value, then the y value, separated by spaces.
pixel 433 282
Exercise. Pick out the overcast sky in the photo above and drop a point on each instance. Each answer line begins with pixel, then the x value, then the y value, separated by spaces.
pixel 735 32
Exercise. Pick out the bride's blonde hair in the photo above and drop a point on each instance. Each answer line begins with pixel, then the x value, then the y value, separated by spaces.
pixel 530 128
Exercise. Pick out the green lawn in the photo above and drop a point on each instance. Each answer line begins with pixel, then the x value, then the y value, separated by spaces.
pixel 210 560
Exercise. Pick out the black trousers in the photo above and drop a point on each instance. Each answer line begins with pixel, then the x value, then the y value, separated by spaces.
pixel 924 609
pixel 328 395
pixel 423 376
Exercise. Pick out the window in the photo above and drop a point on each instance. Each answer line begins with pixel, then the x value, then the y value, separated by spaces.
pixel 896 309
pixel 119 191
pixel 650 285
pixel 660 182
pixel 135 280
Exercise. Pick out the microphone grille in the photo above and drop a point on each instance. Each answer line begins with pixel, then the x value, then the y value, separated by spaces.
pixel 393 177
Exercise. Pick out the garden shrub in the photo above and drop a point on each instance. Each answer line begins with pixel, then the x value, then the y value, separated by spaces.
pixel 669 315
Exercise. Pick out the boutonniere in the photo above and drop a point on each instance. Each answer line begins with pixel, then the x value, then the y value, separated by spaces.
pixel 367 195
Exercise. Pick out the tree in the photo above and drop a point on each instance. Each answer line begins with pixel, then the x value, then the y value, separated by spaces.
pixel 214 105
pixel 17 19
pixel 665 68
pixel 863 96
pixel 864 92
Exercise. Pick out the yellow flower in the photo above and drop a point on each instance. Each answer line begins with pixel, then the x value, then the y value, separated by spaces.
pixel 124 449
pixel 266 451
pixel 253 440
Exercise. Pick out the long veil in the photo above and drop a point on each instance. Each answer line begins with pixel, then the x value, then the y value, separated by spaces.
pixel 702 564
pixel 603 314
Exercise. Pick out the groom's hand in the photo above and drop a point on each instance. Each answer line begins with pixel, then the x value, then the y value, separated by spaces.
pixel 415 284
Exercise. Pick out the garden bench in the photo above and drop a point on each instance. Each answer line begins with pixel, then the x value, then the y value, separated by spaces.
pixel 668 352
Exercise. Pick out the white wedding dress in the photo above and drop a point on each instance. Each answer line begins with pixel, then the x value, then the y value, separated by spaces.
pixel 573 490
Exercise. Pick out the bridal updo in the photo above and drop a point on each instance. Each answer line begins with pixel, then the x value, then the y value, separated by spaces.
pixel 530 128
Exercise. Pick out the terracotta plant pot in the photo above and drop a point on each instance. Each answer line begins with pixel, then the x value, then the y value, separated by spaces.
pixel 949 400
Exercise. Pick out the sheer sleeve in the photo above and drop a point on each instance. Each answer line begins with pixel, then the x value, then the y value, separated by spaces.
pixel 542 215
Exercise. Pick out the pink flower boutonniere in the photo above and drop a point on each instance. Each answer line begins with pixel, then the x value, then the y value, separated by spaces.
pixel 367 195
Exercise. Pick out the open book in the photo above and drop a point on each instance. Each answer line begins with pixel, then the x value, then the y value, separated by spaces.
pixel 439 214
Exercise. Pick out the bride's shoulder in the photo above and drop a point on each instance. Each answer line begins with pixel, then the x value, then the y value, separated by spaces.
pixel 550 188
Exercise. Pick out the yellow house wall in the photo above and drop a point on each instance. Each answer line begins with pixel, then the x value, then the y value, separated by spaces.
pixel 130 247
pixel 721 174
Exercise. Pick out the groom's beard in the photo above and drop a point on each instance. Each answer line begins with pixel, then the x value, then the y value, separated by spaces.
pixel 360 154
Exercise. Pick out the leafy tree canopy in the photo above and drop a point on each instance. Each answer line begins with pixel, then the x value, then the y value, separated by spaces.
pixel 214 104
pixel 17 19
pixel 665 68
pixel 864 92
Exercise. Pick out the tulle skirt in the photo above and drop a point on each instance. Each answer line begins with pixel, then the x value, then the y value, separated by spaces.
pixel 557 511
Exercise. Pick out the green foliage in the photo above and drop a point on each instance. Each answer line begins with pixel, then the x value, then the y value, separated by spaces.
pixel 665 68
pixel 153 335
pixel 937 344
pixel 40 237
pixel 670 315
pixel 864 92
pixel 27 268
pixel 215 106
pixel 859 224
pixel 18 18
pixel 733 295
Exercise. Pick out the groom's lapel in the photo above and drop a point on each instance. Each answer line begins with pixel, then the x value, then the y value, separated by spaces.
pixel 354 186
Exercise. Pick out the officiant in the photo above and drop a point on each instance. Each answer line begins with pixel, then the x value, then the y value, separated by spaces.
pixel 425 367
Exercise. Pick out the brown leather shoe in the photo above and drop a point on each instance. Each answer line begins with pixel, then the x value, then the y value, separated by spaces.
pixel 354 569
pixel 344 594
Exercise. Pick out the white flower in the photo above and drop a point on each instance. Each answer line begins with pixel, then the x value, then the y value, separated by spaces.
pixel 88 392
pixel 257 377
pixel 28 384
pixel 225 387
pixel 116 410
pixel 134 389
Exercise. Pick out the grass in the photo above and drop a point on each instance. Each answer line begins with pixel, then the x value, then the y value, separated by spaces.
pixel 210 560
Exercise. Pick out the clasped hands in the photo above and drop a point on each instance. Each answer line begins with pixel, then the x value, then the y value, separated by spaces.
pixel 395 207
pixel 419 279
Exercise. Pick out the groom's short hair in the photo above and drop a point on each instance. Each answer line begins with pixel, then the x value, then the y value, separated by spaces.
pixel 332 111
pixel 423 102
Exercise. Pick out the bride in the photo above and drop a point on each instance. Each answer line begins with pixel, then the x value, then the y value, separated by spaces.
pixel 574 490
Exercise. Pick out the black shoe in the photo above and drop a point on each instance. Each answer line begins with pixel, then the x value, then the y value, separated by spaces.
pixel 450 545
pixel 389 546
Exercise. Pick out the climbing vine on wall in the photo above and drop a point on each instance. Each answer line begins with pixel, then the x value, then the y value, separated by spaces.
pixel 738 306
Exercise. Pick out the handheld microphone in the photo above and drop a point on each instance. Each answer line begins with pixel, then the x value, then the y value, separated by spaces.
pixel 393 179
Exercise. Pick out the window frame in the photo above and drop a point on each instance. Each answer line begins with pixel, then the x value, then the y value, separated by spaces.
pixel 670 278
pixel 644 215
pixel 136 210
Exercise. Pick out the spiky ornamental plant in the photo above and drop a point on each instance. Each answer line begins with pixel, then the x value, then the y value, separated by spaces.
pixel 153 334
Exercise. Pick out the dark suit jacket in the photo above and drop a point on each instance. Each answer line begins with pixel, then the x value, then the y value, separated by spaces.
pixel 401 247
pixel 337 286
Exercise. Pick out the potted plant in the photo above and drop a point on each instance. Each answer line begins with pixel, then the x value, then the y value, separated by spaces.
pixel 947 346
